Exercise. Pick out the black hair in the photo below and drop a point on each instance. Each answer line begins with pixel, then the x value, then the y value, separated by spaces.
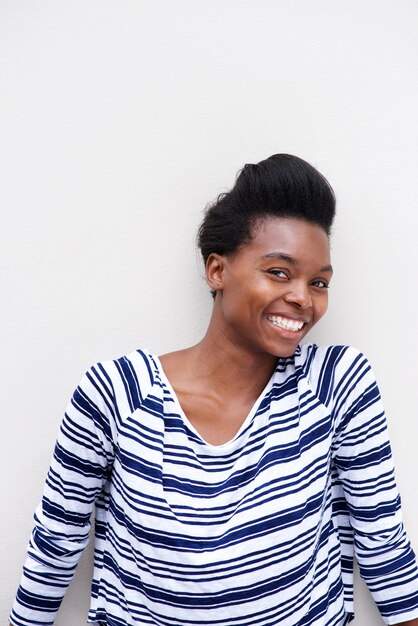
pixel 280 186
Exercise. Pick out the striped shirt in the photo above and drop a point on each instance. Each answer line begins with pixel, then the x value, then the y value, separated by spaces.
pixel 260 531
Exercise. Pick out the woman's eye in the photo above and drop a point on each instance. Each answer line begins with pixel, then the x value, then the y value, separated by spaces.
pixel 279 273
pixel 320 283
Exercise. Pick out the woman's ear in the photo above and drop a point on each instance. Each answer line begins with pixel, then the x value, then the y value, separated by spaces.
pixel 214 271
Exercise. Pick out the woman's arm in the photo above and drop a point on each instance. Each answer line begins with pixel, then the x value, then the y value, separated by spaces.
pixel 82 458
pixel 362 457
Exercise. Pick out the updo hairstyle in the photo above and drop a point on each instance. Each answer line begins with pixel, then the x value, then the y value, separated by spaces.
pixel 280 186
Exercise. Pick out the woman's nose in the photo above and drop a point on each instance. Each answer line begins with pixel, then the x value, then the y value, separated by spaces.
pixel 299 294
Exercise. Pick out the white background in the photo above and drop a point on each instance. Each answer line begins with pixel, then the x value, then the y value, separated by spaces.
pixel 119 121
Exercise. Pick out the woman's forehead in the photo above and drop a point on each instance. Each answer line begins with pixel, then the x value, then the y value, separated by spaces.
pixel 272 235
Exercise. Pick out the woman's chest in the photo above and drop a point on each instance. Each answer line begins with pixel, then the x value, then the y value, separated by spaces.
pixel 279 463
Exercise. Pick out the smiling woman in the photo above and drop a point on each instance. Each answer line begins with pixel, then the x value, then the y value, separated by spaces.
pixel 276 284
pixel 233 480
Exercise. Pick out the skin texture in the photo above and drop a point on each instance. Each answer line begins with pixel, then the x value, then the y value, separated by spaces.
pixel 284 270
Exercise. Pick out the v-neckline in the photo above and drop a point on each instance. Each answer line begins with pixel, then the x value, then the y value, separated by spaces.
pixel 165 380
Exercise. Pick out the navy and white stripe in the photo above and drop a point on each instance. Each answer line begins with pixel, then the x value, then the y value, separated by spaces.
pixel 259 531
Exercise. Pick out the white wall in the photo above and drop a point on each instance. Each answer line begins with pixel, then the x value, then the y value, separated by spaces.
pixel 119 121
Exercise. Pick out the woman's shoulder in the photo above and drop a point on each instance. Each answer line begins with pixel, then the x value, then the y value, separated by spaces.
pixel 333 371
pixel 138 361
pixel 132 376
pixel 329 358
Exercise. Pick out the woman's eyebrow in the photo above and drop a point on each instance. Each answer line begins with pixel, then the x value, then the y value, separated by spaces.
pixel 282 256
pixel 289 259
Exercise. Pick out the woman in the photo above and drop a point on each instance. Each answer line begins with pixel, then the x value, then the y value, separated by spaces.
pixel 231 479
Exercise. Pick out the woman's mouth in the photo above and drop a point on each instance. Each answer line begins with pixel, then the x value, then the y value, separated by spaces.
pixel 285 323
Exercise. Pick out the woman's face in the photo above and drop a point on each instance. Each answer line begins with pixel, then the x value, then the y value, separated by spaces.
pixel 274 289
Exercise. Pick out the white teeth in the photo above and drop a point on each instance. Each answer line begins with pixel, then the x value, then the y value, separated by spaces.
pixel 284 322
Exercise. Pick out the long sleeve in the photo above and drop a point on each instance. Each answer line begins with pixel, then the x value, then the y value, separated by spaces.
pixel 362 457
pixel 79 469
